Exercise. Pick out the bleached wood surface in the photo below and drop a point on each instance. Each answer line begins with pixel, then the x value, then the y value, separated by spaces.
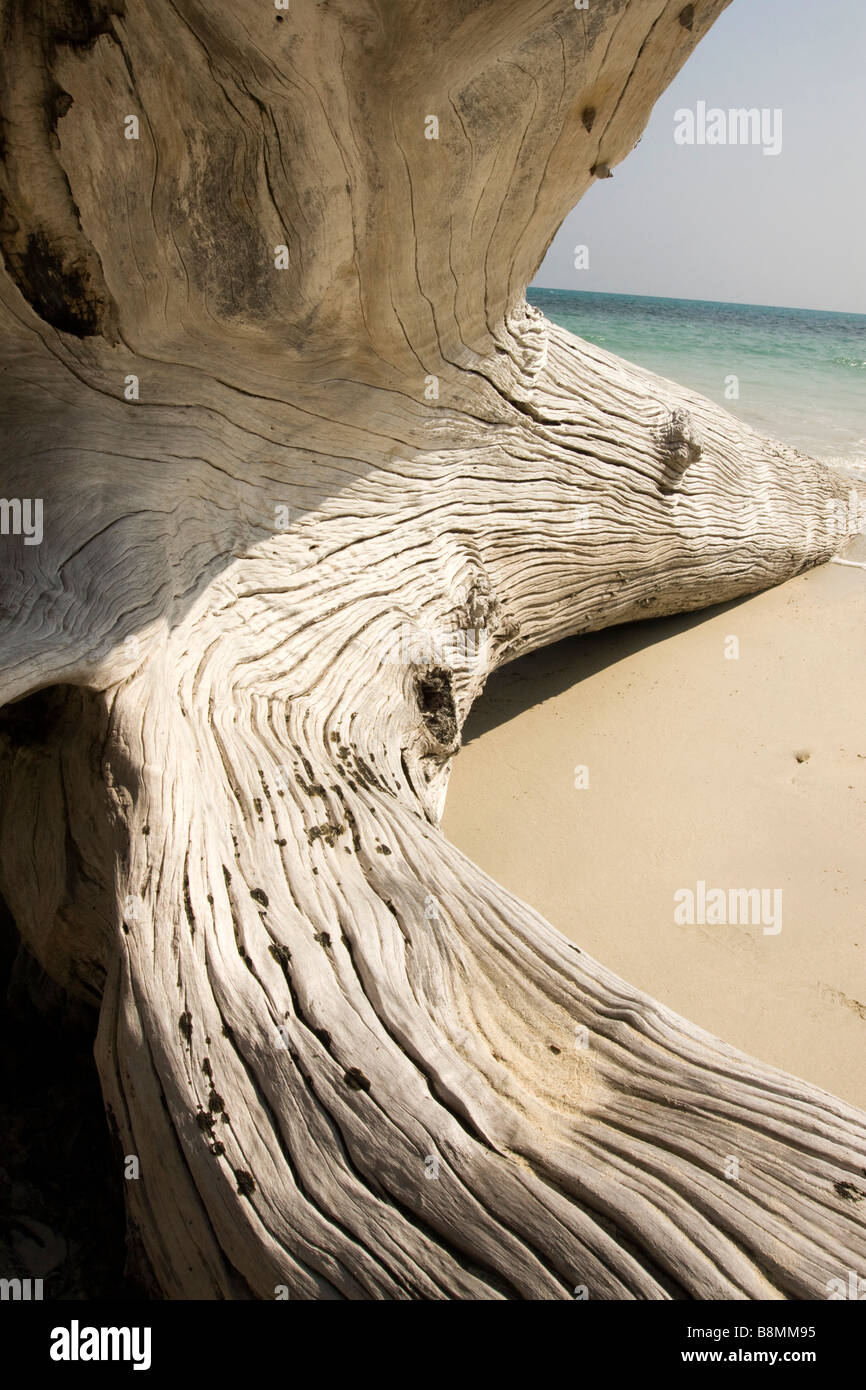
pixel 350 1064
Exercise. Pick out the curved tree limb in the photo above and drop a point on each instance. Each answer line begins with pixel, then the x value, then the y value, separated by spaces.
pixel 350 1064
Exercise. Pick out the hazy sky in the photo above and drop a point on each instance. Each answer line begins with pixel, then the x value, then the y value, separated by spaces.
pixel 729 222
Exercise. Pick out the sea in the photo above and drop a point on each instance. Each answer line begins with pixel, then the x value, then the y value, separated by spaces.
pixel 800 373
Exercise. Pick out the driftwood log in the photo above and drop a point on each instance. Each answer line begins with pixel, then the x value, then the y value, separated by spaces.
pixel 309 469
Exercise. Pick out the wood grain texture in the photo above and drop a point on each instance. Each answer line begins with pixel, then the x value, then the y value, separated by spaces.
pixel 351 1065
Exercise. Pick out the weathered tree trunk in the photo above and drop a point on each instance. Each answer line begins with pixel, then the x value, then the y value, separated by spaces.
pixel 348 1062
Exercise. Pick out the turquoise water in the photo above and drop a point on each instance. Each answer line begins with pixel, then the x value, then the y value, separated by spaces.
pixel 801 372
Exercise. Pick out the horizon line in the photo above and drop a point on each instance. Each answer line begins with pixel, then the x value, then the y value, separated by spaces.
pixel 685 299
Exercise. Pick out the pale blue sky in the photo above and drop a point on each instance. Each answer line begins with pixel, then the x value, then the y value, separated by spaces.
pixel 728 222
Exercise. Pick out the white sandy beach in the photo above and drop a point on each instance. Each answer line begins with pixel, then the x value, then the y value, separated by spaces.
pixel 694 776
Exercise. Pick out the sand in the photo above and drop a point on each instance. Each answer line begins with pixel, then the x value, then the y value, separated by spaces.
pixel 740 773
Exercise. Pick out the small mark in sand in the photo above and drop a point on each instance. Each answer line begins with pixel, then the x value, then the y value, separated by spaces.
pixel 802 756
pixel 835 996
